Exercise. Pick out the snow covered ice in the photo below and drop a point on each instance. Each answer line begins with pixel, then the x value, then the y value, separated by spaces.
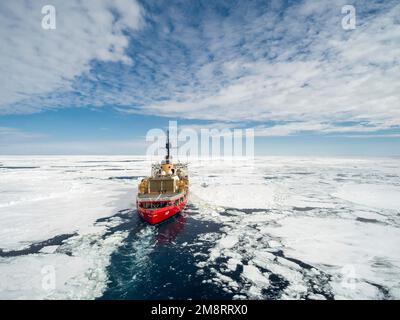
pixel 289 227
pixel 317 227
pixel 42 198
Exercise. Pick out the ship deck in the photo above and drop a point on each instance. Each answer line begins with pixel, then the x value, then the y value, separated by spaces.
pixel 159 197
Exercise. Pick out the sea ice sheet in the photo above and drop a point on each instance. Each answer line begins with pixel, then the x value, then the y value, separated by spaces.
pixel 43 199
pixel 291 228
pixel 328 228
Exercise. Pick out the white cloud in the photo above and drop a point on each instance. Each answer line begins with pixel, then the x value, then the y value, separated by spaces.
pixel 294 66
pixel 34 61
pixel 321 74
pixel 292 128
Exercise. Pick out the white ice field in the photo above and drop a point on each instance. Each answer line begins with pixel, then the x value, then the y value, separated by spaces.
pixel 339 217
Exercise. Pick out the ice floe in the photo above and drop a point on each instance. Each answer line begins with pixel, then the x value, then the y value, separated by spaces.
pixel 50 212
pixel 314 228
pixel 289 228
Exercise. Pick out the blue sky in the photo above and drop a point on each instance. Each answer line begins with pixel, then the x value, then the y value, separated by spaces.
pixel 114 69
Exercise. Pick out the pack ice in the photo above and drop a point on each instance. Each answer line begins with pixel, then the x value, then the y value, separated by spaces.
pixel 291 227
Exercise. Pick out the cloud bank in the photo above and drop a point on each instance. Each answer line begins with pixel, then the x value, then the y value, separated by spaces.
pixel 284 69
pixel 35 62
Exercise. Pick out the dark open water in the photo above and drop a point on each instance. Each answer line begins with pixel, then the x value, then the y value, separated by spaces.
pixel 158 262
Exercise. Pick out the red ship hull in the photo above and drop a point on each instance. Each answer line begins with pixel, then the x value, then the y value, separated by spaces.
pixel 154 216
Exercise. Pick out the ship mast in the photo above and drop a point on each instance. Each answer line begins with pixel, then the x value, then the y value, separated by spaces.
pixel 168 146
